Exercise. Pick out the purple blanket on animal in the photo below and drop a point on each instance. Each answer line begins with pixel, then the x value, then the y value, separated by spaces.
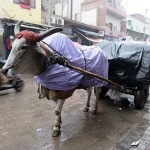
pixel 58 77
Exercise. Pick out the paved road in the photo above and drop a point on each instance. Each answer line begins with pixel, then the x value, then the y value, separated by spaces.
pixel 26 123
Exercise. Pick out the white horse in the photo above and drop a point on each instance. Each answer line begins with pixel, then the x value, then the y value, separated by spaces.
pixel 27 57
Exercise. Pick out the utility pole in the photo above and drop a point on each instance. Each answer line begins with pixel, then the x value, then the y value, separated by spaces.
pixel 71 8
pixel 49 12
pixel 144 29
pixel 68 9
pixel 62 5
pixel 145 23
pixel 126 5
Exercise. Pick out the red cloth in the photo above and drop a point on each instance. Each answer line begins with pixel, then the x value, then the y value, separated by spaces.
pixel 8 43
pixel 30 36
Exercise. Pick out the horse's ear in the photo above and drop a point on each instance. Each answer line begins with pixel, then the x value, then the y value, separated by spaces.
pixel 49 32
pixel 17 27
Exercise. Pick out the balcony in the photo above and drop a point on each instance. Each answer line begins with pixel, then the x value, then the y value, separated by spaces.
pixel 115 9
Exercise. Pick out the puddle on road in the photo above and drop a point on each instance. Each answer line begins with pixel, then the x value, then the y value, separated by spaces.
pixel 86 131
pixel 80 130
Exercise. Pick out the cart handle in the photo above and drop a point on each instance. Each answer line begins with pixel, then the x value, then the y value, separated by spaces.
pixel 59 59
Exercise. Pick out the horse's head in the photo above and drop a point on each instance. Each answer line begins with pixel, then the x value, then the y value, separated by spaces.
pixel 24 43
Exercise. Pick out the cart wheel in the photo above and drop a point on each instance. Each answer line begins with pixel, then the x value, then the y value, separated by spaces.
pixel 140 97
pixel 19 85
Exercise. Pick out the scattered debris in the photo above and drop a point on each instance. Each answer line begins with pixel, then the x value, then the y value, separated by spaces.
pixel 131 105
pixel 117 103
pixel 38 130
pixel 135 143
pixel 5 133
pixel 114 111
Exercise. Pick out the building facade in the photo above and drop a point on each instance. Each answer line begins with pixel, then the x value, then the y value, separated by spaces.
pixel 12 11
pixel 26 10
pixel 66 14
pixel 70 9
pixel 108 14
pixel 135 25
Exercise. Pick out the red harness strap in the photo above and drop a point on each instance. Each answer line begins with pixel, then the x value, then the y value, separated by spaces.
pixel 30 36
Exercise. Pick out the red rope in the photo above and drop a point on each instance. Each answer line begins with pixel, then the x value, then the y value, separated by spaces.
pixel 30 36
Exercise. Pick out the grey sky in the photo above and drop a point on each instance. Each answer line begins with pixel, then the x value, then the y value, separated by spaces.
pixel 137 6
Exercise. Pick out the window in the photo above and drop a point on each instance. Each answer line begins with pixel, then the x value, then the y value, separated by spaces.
pixel 114 3
pixel 26 2
pixel 30 3
pixel 110 26
pixel 110 1
pixel 129 22
pixel 77 17
pixel 118 5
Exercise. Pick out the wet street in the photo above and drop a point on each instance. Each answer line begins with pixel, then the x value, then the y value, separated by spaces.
pixel 26 122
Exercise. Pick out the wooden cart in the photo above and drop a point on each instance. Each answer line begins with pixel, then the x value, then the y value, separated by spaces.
pixel 140 93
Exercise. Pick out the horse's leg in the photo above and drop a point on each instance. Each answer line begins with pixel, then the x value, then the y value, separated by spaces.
pixel 57 124
pixel 95 104
pixel 89 92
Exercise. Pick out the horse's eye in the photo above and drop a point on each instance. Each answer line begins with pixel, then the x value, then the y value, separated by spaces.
pixel 23 47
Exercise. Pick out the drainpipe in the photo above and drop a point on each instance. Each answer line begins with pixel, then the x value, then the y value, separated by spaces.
pixel 49 12
pixel 62 8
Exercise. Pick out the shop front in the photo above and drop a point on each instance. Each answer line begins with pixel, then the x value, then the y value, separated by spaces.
pixel 7 34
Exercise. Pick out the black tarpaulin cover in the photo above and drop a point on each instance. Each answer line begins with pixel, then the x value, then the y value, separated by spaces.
pixel 129 62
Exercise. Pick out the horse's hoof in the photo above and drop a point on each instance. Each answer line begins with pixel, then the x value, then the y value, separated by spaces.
pixel 56 133
pixel 94 112
pixel 85 110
